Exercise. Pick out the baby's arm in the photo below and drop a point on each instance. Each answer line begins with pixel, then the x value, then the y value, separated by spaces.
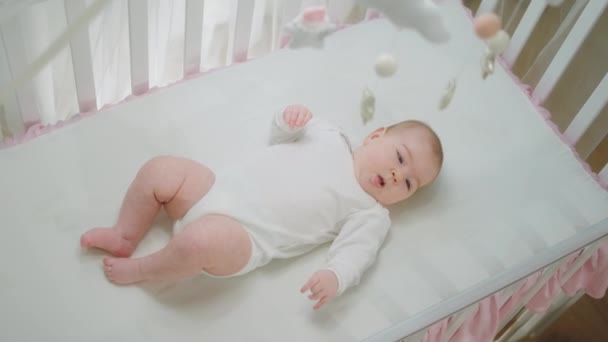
pixel 288 125
pixel 351 253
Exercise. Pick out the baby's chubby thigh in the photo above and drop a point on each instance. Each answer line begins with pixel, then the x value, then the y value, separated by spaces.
pixel 223 243
pixel 175 183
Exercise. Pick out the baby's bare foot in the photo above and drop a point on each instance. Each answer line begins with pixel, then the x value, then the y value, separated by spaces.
pixel 122 270
pixel 109 240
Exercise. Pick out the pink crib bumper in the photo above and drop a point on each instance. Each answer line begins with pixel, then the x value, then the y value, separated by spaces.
pixel 592 278
pixel 482 324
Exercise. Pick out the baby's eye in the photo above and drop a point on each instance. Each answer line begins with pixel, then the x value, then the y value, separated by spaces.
pixel 399 158
pixel 408 184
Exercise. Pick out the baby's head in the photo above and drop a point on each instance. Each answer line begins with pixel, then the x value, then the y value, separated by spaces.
pixel 394 162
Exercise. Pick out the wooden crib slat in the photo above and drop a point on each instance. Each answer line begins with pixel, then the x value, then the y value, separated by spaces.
pixel 274 31
pixel 10 113
pixel 289 12
pixel 589 112
pixel 193 36
pixel 14 45
pixel 486 6
pixel 82 60
pixel 593 142
pixel 242 30
pixel 291 9
pixel 593 10
pixel 524 30
pixel 138 43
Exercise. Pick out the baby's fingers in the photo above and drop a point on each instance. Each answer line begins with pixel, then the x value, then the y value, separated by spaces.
pixel 317 295
pixel 304 117
pixel 293 117
pixel 301 119
pixel 308 117
pixel 321 302
pixel 310 283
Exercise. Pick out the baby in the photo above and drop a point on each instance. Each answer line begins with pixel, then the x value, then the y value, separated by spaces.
pixel 309 187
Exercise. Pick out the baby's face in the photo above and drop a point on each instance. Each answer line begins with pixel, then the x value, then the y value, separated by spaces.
pixel 393 166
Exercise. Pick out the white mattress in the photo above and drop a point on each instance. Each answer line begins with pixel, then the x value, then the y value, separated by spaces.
pixel 510 188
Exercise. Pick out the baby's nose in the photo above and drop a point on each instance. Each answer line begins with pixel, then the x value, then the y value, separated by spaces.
pixel 395 176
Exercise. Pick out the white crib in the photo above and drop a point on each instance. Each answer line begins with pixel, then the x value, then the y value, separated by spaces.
pixel 247 30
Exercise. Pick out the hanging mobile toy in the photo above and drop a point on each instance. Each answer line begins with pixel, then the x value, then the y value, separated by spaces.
pixel 420 15
pixel 423 16
pixel 487 27
pixel 448 93
pixel 368 105
pixel 496 45
pixel 310 28
pixel 385 66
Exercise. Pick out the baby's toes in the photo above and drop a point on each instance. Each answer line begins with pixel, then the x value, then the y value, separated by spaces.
pixel 108 271
pixel 107 261
pixel 107 267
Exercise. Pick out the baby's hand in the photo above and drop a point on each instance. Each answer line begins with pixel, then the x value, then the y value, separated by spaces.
pixel 296 116
pixel 323 285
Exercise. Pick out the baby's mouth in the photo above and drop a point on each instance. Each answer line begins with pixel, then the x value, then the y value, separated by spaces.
pixel 380 181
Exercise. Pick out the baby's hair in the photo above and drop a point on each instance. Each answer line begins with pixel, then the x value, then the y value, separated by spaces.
pixel 435 141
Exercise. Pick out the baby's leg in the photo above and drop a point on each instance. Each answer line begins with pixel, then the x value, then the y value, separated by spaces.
pixel 176 183
pixel 216 244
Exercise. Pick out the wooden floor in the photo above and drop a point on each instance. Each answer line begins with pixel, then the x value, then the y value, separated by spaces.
pixel 585 321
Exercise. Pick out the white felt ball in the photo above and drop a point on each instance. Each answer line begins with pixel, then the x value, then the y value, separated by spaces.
pixel 386 65
pixel 498 44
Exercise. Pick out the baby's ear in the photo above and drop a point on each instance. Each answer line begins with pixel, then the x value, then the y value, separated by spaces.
pixel 375 134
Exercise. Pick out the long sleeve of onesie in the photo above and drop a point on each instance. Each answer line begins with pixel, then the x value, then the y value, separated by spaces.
pixel 281 132
pixel 356 246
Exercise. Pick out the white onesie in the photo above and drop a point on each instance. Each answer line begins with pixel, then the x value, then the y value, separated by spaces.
pixel 296 194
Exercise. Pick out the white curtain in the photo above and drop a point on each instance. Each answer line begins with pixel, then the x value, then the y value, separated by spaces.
pixel 27 34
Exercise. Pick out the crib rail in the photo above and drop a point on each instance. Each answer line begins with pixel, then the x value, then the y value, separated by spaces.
pixel 590 237
pixel 193 36
pixel 80 48
pixel 138 41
